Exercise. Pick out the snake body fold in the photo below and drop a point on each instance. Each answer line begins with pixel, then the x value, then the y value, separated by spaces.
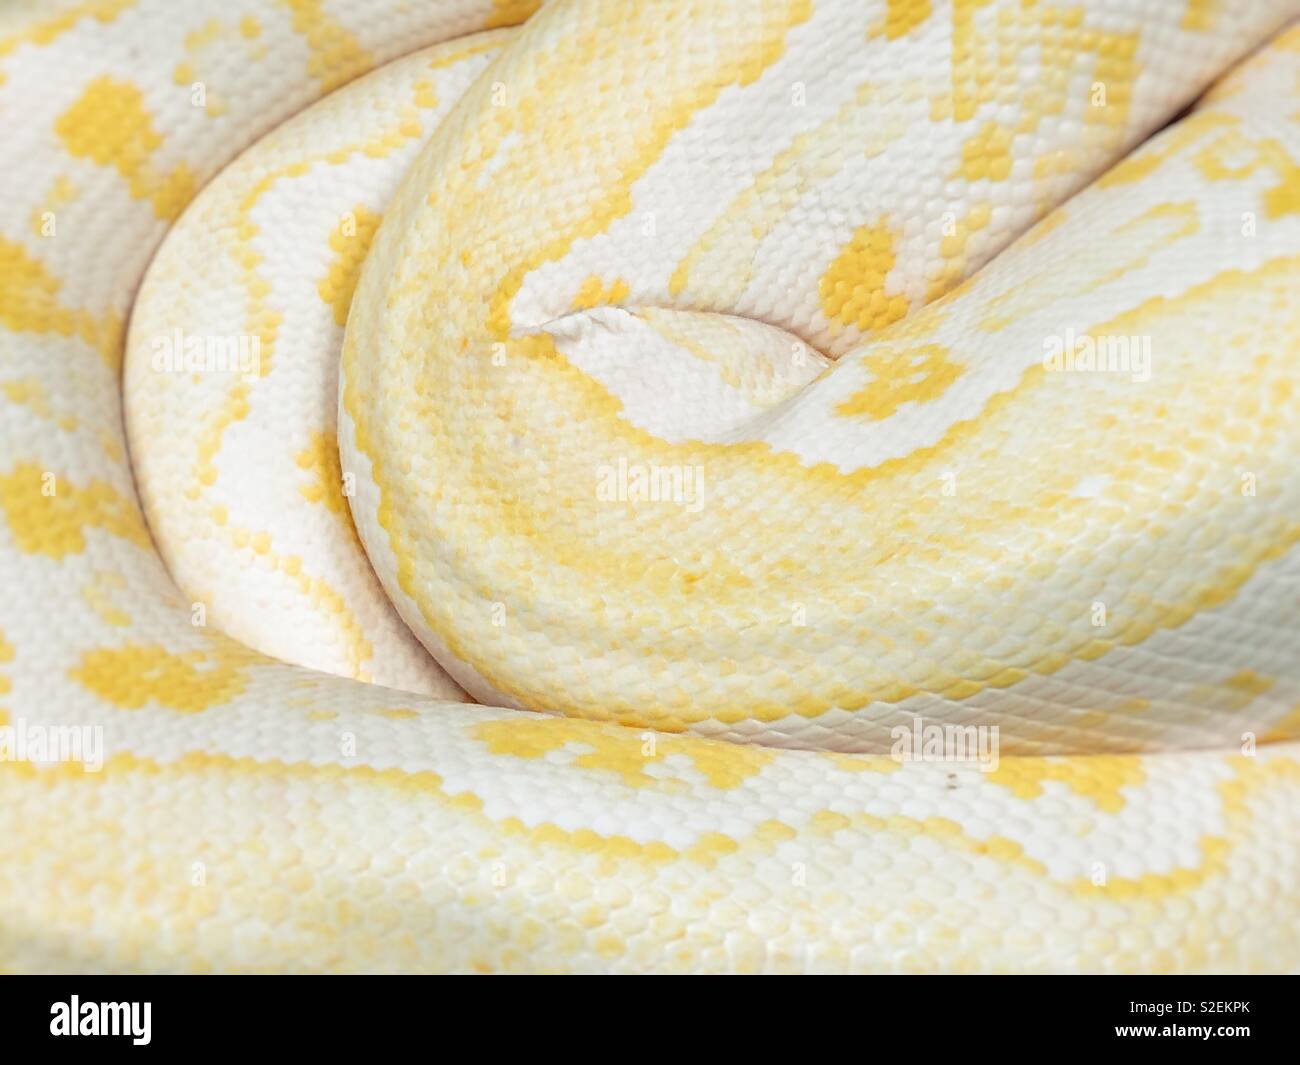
pixel 739 387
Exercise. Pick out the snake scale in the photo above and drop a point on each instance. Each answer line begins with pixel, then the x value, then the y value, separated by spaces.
pixel 506 485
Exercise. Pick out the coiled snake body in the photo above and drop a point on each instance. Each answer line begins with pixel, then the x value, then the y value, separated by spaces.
pixel 730 392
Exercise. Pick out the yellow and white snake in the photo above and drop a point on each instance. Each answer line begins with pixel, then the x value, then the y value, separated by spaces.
pixel 730 390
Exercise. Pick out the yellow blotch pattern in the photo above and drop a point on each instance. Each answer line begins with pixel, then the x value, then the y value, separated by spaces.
pixel 44 33
pixel 858 763
pixel 852 289
pixel 1152 156
pixel 1214 860
pixel 1146 234
pixel 321 459
pixel 618 202
pixel 679 108
pixel 205 35
pixel 916 375
pixel 135 675
pixel 349 243
pixel 510 12
pixel 622 751
pixel 215 36
pixel 29 303
pixel 903 16
pixel 1248 682
pixel 55 524
pixel 30 393
pixel 336 55
pixel 953 248
pixel 1284 198
pixel 110 125
pixel 6 656
pixel 1234 156
pixel 99 595
pixel 980 50
pixel 1200 14
pixel 1288 728
pixel 593 293
pixel 986 154
pixel 1101 779
pixel 1235 795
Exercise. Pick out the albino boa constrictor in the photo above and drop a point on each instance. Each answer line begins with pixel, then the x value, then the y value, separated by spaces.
pixel 696 390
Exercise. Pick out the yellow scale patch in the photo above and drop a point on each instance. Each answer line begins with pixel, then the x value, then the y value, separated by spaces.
pixel 913 375
pixel 335 289
pixel 979 58
pixel 1234 694
pixel 722 258
pixel 1201 14
pixel 111 126
pixel 593 293
pixel 986 154
pixel 321 459
pixel 45 33
pixel 623 751
pixel 952 247
pixel 1235 796
pixel 62 192
pixel 978 677
pixel 1100 779
pixel 189 72
pixel 1148 159
pixel 29 303
pixel 6 685
pixel 852 289
pixel 263 320
pixel 1288 728
pixel 617 203
pixel 136 675
pixel 1154 230
pixel 510 12
pixel 29 392
pixel 336 55
pixel 324 597
pixel 100 594
pixel 1234 156
pixel 349 243
pixel 49 515
pixel 903 16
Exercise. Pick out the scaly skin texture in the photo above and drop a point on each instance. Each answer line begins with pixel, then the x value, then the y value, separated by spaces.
pixel 768 242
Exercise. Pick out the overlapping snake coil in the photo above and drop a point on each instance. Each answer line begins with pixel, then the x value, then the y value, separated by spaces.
pixel 850 450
